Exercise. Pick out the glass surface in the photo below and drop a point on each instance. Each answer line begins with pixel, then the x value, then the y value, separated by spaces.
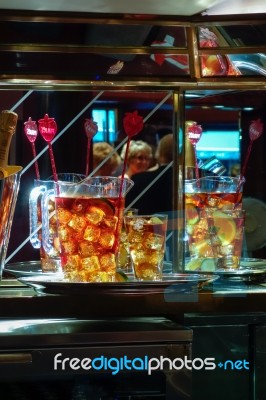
pixel 225 145
pixel 234 36
pixel 106 122
pixel 88 216
pixel 115 34
pixel 215 239
pixel 61 46
pixel 220 111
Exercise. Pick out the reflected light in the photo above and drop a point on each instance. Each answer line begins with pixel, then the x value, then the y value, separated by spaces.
pixel 226 7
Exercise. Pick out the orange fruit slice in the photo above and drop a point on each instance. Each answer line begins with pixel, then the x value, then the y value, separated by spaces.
pixel 192 215
pixel 203 248
pixel 104 205
pixel 226 227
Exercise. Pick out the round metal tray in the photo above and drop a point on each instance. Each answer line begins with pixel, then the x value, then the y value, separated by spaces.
pixel 177 283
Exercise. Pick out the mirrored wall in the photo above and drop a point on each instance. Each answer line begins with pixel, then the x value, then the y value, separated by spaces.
pixel 224 115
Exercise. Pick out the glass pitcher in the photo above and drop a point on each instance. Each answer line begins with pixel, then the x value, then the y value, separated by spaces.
pixel 89 217
pixel 214 222
pixel 212 191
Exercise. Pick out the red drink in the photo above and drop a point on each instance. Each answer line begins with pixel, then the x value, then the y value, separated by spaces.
pixel 214 222
pixel 215 239
pixel 221 201
pixel 146 243
pixel 89 231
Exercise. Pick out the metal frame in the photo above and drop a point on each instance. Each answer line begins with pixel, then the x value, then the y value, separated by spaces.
pixel 178 86
pixel 194 80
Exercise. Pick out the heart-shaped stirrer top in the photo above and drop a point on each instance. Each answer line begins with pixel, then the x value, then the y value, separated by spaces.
pixel 255 129
pixel 47 128
pixel 133 123
pixel 91 128
pixel 31 131
pixel 194 133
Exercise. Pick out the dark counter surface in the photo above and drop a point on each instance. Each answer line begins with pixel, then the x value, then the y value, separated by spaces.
pixel 20 301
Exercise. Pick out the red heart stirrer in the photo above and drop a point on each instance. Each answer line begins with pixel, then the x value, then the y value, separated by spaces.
pixel 194 133
pixel 48 129
pixel 255 131
pixel 31 131
pixel 133 123
pixel 91 128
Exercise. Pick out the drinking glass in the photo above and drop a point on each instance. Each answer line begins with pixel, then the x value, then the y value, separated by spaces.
pixel 146 236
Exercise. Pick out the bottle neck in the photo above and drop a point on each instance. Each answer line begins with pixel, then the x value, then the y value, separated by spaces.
pixel 8 122
pixel 190 160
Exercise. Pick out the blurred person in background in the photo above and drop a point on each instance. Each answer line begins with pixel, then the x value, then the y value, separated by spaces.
pixel 138 158
pixel 158 198
pixel 100 151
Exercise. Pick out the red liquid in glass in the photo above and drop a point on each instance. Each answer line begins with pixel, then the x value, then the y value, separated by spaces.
pixel 89 237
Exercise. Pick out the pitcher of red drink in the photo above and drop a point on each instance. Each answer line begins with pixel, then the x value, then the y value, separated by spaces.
pixel 89 217
pixel 214 222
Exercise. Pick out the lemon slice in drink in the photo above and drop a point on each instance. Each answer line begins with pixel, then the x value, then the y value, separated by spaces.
pixel 194 264
pixel 226 227
pixel 155 220
pixel 120 276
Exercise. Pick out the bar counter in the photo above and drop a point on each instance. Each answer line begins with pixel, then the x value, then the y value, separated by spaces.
pixel 20 301
pixel 226 321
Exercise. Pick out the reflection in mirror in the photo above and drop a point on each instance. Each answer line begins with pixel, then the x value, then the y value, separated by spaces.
pixel 225 117
pixel 70 109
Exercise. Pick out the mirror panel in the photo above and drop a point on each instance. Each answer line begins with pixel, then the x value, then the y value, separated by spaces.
pixel 219 112
pixel 226 116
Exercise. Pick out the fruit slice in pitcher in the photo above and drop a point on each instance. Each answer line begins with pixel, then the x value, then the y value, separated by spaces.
pixel 192 215
pixel 203 248
pixel 102 204
pixel 225 226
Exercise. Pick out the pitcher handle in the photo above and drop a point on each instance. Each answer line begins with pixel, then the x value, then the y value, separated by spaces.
pixel 45 221
pixel 33 214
